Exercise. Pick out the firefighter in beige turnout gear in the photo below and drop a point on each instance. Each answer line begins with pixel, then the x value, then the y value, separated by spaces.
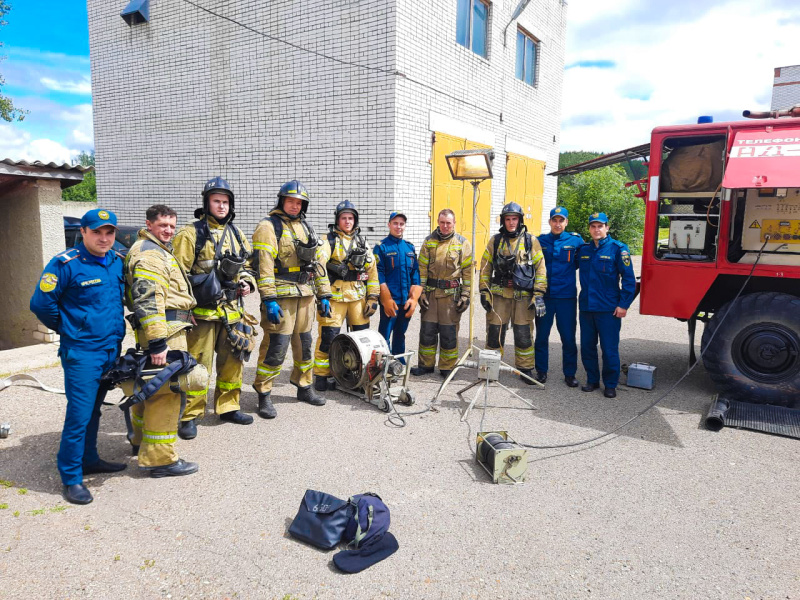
pixel 214 243
pixel 160 297
pixel 291 272
pixel 445 271
pixel 354 285
pixel 513 280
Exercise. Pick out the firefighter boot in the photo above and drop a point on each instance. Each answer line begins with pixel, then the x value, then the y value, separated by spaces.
pixel 528 376
pixel 320 383
pixel 420 370
pixel 187 430
pixel 306 394
pixel 266 410
pixel 236 416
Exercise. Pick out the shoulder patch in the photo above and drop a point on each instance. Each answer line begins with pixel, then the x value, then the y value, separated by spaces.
pixel 574 233
pixel 68 255
pixel 48 282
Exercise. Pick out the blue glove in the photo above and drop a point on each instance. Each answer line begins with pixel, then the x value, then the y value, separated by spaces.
pixel 274 311
pixel 324 308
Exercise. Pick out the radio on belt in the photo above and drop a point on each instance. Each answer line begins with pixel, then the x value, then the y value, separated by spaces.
pixel 641 375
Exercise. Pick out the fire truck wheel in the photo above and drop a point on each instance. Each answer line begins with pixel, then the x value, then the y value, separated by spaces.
pixel 755 353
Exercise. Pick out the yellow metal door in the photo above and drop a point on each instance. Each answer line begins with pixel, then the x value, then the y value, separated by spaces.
pixel 525 186
pixel 457 195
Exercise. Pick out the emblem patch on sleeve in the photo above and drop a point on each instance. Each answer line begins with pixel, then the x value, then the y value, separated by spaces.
pixel 48 282
pixel 626 258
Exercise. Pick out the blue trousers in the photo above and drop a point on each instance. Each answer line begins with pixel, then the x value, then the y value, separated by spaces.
pixel 393 329
pixel 82 371
pixel 606 326
pixel 564 311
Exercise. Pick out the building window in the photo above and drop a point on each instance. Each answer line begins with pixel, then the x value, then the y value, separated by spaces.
pixel 472 25
pixel 527 54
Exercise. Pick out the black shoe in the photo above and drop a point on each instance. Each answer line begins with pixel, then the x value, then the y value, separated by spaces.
pixel 445 373
pixel 266 410
pixel 77 494
pixel 134 450
pixel 187 430
pixel 420 370
pixel 320 383
pixel 306 394
pixel 571 381
pixel 529 373
pixel 610 392
pixel 590 387
pixel 541 377
pixel 103 466
pixel 236 416
pixel 181 467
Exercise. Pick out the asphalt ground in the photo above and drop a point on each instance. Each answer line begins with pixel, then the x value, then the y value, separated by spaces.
pixel 662 509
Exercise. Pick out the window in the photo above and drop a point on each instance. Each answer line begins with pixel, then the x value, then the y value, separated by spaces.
pixel 527 50
pixel 472 25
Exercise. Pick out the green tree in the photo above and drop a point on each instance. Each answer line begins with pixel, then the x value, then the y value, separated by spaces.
pixel 603 190
pixel 8 112
pixel 86 190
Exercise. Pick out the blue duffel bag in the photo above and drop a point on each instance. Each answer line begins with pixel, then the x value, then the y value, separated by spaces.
pixel 321 519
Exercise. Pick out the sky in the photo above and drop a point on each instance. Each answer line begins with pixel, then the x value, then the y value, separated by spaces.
pixel 630 65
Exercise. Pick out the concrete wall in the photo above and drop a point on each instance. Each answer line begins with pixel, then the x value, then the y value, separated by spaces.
pixel 786 87
pixel 77 209
pixel 32 231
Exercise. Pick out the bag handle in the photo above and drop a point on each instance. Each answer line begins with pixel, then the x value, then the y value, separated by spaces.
pixel 360 535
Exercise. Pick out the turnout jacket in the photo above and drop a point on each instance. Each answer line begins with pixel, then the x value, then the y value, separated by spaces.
pixel 270 250
pixel 349 291
pixel 506 247
pixel 184 250
pixel 446 259
pixel 602 267
pixel 156 284
pixel 561 257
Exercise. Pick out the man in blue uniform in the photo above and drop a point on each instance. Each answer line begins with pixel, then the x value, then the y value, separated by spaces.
pixel 602 263
pixel 560 249
pixel 398 274
pixel 79 296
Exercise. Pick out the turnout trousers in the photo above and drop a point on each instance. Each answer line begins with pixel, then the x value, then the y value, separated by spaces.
pixel 439 329
pixel 82 371
pixel 514 311
pixel 294 328
pixel 330 327
pixel 204 339
pixel 155 421
pixel 564 311
pixel 606 327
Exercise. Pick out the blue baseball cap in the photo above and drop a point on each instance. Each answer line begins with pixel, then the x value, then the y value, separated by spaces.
pixel 97 218
pixel 398 214
pixel 598 218
pixel 559 211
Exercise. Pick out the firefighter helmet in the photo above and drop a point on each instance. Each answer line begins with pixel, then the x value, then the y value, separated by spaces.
pixel 215 185
pixel 345 206
pixel 512 208
pixel 293 189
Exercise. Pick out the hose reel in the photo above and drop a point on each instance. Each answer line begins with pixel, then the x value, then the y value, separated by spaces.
pixel 501 457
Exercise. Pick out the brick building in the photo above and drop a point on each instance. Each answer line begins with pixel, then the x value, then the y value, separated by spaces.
pixel 359 100
pixel 786 87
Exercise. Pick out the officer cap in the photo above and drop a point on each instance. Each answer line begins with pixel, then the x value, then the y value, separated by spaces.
pixel 598 218
pixel 398 214
pixel 97 218
pixel 559 211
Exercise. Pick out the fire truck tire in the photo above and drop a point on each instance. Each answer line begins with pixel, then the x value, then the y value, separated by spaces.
pixel 755 352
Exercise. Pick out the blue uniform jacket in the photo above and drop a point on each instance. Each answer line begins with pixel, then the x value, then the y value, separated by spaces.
pixel 81 300
pixel 561 257
pixel 601 268
pixel 398 268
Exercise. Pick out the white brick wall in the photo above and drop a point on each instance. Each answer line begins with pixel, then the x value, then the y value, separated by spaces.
pixel 189 96
pixel 786 88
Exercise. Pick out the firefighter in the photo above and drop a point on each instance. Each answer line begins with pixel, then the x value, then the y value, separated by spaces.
pixel 79 296
pixel 603 305
pixel 445 270
pixel 513 281
pixel 354 285
pixel 560 249
pixel 291 273
pixel 398 273
pixel 160 298
pixel 213 246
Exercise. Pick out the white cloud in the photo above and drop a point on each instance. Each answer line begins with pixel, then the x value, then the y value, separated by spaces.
pixel 718 63
pixel 18 145
pixel 84 86
pixel 82 135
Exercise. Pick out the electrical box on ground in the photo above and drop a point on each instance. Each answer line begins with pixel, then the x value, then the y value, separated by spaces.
pixel 501 457
pixel 641 375
pixel 489 365
pixel 687 236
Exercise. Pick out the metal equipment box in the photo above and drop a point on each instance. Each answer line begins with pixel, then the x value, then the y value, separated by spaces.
pixel 642 375
pixel 687 235
pixel 489 365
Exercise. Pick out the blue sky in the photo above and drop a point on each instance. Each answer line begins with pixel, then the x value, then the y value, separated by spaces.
pixel 630 65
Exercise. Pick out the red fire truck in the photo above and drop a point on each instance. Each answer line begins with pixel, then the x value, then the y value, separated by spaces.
pixel 730 195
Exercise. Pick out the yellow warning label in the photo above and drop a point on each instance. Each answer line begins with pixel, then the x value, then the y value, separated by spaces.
pixel 755 225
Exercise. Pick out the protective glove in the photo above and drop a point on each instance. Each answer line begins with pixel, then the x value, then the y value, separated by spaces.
pixel 274 311
pixel 538 305
pixel 388 303
pixel 462 304
pixel 370 306
pixel 413 299
pixel 324 308
pixel 486 302
pixel 424 303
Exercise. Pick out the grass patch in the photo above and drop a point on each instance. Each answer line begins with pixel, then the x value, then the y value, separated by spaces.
pixel 58 508
pixel 6 483
pixel 36 511
pixel 22 491
pixel 3 506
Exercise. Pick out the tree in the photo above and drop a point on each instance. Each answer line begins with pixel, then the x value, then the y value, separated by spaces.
pixel 8 112
pixel 86 190
pixel 603 190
